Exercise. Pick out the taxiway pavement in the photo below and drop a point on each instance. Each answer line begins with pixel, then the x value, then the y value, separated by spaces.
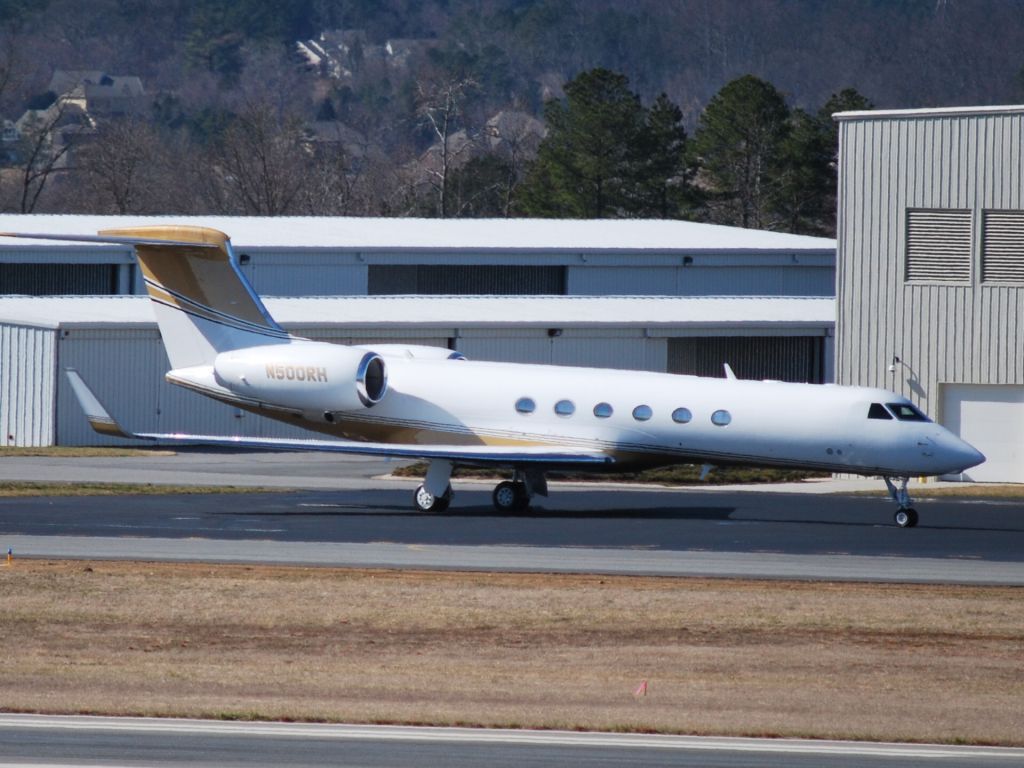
pixel 95 741
pixel 360 519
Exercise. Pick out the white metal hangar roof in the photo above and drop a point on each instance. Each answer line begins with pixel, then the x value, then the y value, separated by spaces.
pixel 406 234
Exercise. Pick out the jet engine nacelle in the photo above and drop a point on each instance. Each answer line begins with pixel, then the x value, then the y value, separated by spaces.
pixel 308 376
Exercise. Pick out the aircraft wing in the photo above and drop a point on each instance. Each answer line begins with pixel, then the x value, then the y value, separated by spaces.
pixel 101 421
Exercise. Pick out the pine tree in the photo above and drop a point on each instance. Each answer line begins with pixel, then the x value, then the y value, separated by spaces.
pixel 662 175
pixel 585 165
pixel 738 146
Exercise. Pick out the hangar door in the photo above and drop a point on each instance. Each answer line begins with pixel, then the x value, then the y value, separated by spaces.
pixel 991 418
pixel 782 358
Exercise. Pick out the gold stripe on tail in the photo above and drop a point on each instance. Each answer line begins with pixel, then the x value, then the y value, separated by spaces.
pixel 201 279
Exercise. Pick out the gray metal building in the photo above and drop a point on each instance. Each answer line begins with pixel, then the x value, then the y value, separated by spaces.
pixel 930 283
pixel 357 257
pixel 114 343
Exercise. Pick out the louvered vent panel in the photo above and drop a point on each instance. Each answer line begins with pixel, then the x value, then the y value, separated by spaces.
pixel 1002 254
pixel 939 245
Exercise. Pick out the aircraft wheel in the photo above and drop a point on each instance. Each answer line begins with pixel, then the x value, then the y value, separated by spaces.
pixel 906 518
pixel 428 502
pixel 510 497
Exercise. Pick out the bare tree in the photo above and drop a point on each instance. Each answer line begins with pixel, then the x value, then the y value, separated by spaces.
pixel 121 166
pixel 440 107
pixel 263 162
pixel 42 151
pixel 515 136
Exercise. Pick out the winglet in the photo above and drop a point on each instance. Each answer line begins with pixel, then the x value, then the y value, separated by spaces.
pixel 728 371
pixel 99 419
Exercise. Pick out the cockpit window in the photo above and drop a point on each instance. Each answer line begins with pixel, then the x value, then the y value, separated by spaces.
pixel 906 412
pixel 877 411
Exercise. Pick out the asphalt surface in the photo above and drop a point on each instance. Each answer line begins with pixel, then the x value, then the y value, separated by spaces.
pixel 346 514
pixel 79 741
pixel 648 519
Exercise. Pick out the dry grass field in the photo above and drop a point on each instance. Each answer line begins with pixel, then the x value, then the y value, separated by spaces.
pixel 934 663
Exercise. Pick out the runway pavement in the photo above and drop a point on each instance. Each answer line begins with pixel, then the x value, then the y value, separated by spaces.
pixel 346 515
pixel 87 741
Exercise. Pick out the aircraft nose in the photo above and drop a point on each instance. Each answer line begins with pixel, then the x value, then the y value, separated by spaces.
pixel 961 453
pixel 972 456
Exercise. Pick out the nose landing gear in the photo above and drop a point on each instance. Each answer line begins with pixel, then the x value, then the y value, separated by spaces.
pixel 906 515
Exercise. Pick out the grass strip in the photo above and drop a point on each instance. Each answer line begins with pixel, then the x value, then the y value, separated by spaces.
pixel 26 488
pixel 679 474
pixel 74 451
pixel 862 661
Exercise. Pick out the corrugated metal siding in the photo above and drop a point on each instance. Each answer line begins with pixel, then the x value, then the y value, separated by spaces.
pixel 466 280
pixel 590 280
pixel 782 358
pixel 626 349
pixel 125 368
pixel 803 280
pixel 274 273
pixel 27 373
pixel 943 333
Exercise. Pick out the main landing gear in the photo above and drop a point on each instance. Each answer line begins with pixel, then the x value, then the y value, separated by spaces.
pixel 427 502
pixel 509 496
pixel 514 495
pixel 906 515
pixel 436 492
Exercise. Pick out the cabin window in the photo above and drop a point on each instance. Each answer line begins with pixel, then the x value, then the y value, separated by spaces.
pixel 877 411
pixel 906 412
pixel 642 412
pixel 526 405
pixel 603 410
pixel 565 408
pixel 721 418
pixel 682 416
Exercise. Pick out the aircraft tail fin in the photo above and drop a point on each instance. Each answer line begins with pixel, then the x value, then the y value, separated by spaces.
pixel 202 301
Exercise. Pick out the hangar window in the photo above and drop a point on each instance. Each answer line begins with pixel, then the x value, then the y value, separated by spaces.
pixel 642 412
pixel 877 411
pixel 526 405
pixel 565 408
pixel 682 415
pixel 907 412
pixel 603 410
pixel 721 418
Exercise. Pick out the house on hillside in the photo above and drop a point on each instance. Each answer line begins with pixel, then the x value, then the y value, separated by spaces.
pixel 100 94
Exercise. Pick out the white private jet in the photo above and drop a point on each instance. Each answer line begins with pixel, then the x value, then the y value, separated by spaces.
pixel 431 403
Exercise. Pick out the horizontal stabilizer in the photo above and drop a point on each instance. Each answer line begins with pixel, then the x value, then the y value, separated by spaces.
pixel 99 419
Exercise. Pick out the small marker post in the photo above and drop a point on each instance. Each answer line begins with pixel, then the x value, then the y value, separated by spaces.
pixel 10 555
pixel 641 689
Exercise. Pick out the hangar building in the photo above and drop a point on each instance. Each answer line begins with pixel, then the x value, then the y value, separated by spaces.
pixel 324 256
pixel 114 343
pixel 930 283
